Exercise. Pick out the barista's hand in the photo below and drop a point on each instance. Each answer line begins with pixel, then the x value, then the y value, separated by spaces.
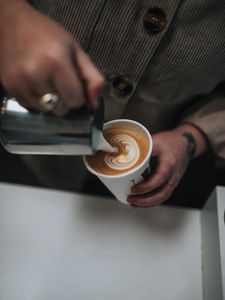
pixel 173 150
pixel 37 56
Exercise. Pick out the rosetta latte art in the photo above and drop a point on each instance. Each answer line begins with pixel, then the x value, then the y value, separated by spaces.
pixel 132 149
pixel 129 153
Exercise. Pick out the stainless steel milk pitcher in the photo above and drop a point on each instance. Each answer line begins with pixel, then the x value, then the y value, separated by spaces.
pixel 25 132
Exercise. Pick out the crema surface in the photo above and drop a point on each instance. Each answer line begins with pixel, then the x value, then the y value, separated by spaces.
pixel 132 149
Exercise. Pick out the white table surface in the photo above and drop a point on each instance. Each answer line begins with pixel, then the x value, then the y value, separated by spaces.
pixel 57 245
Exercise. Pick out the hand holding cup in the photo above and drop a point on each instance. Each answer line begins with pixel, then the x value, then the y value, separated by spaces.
pixel 121 170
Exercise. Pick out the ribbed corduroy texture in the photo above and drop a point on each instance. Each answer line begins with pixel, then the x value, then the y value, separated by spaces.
pixel 111 32
pixel 175 73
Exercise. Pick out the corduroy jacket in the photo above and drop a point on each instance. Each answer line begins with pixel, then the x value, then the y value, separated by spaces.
pixel 164 60
pixel 164 64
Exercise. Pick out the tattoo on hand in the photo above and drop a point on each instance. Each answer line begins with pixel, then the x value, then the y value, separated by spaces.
pixel 191 144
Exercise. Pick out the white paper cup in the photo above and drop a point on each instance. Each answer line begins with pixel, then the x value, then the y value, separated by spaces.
pixel 120 185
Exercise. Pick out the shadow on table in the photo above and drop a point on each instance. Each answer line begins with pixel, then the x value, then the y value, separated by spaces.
pixel 103 212
pixel 195 187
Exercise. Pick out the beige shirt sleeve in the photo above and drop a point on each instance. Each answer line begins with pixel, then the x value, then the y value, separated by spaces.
pixel 209 116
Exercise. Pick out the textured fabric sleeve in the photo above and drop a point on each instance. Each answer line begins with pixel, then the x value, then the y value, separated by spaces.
pixel 208 114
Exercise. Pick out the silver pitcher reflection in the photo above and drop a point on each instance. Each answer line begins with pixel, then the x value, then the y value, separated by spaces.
pixel 25 132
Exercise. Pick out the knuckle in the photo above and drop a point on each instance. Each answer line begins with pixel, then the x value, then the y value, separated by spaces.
pixel 40 68
pixel 163 175
pixel 54 59
pixel 42 61
pixel 28 71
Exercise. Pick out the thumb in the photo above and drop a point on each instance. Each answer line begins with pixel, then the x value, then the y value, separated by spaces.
pixel 90 75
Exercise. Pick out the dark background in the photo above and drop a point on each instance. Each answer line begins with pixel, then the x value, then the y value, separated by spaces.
pixel 199 180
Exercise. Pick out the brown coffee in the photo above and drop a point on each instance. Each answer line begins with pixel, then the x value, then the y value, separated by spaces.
pixel 132 150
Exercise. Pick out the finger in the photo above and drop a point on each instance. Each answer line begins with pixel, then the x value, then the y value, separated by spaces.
pixel 21 97
pixel 37 88
pixel 161 174
pixel 27 87
pixel 69 88
pixel 153 198
pixel 89 72
pixel 156 150
pixel 30 97
pixel 17 88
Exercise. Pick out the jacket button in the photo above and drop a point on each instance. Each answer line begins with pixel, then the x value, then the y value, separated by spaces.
pixel 154 20
pixel 122 86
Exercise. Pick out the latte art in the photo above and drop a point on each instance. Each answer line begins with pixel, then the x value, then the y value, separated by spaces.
pixel 129 152
pixel 132 148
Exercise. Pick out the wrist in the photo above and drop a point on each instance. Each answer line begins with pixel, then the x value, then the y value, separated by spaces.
pixel 196 141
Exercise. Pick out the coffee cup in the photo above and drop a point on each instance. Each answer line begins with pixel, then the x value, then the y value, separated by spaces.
pixel 130 164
